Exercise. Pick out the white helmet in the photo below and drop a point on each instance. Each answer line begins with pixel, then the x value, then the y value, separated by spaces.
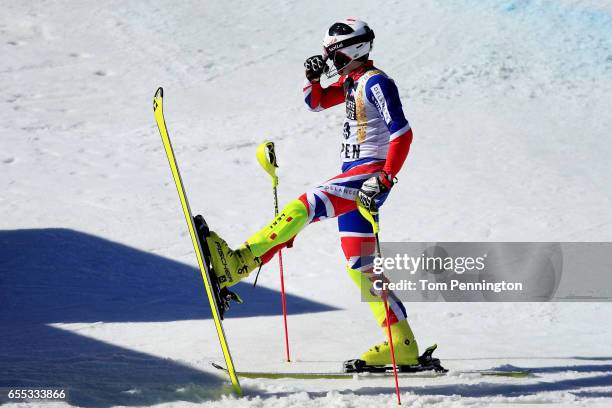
pixel 347 44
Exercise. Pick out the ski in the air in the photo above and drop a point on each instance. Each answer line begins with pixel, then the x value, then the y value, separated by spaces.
pixel 276 375
pixel 198 230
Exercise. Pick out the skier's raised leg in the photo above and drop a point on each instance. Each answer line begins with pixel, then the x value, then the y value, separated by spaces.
pixel 233 265
pixel 331 199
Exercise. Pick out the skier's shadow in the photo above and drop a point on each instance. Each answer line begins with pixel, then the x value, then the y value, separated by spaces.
pixel 65 276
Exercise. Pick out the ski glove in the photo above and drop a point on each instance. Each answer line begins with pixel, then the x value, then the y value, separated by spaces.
pixel 315 66
pixel 374 191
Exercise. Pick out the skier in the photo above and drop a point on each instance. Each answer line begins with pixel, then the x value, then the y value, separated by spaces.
pixel 377 139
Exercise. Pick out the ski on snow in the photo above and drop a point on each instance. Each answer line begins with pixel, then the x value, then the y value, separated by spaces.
pixel 198 230
pixel 277 375
pixel 426 367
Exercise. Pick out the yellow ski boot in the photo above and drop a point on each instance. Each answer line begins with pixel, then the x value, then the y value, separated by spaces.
pixel 404 345
pixel 233 265
pixel 230 265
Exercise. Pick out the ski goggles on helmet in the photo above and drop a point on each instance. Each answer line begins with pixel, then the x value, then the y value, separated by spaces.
pixel 330 50
pixel 340 60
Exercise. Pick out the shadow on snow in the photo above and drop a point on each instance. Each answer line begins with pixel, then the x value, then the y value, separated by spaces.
pixel 94 373
pixel 60 275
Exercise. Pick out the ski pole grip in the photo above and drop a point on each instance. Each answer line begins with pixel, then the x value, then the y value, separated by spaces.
pixel 266 156
pixel 368 215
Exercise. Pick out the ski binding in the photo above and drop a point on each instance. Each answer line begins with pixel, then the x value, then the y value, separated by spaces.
pixel 223 296
pixel 426 363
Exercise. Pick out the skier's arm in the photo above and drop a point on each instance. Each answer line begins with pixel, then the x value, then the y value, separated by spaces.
pixel 318 98
pixel 382 92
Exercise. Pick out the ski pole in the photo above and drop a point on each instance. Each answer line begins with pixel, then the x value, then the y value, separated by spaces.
pixel 267 159
pixel 370 215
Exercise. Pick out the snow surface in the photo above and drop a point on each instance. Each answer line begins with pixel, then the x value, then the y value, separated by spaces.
pixel 509 101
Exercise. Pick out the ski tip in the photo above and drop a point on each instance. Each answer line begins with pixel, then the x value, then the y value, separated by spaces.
pixel 159 93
